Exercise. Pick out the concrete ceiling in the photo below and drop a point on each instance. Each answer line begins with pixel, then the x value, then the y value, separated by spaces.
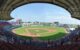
pixel 6 6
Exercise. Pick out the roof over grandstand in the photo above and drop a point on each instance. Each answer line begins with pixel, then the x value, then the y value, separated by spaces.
pixel 6 6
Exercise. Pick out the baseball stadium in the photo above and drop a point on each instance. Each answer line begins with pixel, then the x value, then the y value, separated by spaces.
pixel 54 27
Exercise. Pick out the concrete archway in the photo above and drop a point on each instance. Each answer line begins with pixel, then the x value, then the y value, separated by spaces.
pixel 8 5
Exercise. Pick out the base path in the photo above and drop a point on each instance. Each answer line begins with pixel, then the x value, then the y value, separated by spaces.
pixel 37 35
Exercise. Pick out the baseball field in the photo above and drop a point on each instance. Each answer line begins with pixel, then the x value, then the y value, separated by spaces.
pixel 40 32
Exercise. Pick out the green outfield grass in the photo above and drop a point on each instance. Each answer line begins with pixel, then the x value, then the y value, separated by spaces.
pixel 44 34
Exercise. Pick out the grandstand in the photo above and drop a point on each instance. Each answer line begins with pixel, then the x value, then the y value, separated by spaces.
pixel 11 41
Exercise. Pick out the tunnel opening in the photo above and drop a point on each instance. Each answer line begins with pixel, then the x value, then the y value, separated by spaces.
pixel 42 20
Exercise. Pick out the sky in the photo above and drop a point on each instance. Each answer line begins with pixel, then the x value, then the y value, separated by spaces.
pixel 43 12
